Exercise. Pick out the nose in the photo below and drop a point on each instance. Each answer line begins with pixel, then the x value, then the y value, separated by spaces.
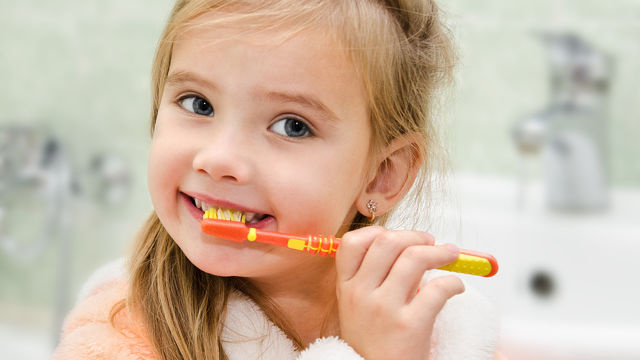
pixel 225 156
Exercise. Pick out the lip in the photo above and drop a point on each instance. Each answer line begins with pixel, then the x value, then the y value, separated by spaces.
pixel 197 213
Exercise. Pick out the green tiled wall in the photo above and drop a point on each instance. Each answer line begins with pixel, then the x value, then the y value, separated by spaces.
pixel 503 75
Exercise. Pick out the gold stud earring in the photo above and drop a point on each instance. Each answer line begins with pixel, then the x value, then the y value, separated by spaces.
pixel 372 206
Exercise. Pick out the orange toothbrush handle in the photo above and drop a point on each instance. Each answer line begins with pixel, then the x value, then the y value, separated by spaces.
pixel 237 231
pixel 468 262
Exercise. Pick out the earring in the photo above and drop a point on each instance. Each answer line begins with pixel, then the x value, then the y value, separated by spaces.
pixel 372 206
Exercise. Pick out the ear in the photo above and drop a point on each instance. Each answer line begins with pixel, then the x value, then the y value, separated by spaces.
pixel 394 173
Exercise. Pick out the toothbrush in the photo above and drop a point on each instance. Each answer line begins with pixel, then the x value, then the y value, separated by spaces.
pixel 469 262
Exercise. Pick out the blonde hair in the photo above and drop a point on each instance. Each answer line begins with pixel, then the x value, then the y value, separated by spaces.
pixel 402 53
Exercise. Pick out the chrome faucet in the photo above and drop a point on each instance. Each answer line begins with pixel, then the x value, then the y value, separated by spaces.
pixel 571 131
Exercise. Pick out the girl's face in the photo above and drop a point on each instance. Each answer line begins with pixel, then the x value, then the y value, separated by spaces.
pixel 276 129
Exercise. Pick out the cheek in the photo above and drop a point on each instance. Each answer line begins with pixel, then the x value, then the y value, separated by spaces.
pixel 157 178
pixel 167 164
pixel 322 195
pixel 169 152
pixel 155 170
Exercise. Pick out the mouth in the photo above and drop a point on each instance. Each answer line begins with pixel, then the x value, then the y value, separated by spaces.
pixel 216 212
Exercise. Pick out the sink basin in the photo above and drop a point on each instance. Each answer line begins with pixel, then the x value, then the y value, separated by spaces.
pixel 567 287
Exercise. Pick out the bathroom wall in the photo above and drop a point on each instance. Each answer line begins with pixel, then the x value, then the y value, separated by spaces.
pixel 79 71
pixel 503 76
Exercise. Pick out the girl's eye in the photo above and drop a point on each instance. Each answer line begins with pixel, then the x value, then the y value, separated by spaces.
pixel 291 127
pixel 196 105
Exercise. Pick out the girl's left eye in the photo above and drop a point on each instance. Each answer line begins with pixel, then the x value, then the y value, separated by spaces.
pixel 291 127
pixel 197 105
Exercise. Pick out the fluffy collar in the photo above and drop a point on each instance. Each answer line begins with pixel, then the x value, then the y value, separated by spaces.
pixel 466 328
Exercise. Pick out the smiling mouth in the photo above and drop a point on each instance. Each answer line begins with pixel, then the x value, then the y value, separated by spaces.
pixel 229 214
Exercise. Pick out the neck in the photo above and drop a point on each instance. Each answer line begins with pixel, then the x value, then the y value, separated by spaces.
pixel 307 303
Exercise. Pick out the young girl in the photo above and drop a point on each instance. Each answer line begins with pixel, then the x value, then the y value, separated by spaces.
pixel 309 117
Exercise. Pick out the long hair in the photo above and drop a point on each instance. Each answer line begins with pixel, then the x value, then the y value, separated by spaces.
pixel 402 53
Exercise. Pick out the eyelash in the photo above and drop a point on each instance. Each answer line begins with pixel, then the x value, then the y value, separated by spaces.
pixel 181 99
pixel 308 127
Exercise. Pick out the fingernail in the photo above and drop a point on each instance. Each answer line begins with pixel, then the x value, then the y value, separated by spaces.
pixel 451 247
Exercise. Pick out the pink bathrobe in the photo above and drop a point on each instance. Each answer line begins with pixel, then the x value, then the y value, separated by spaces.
pixel 465 329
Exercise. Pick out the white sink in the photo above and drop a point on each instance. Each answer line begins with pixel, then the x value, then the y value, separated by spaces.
pixel 567 287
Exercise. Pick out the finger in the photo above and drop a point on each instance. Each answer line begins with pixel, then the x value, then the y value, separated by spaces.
pixel 384 252
pixel 353 247
pixel 407 272
pixel 432 296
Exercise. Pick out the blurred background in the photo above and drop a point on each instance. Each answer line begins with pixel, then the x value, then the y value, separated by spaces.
pixel 541 130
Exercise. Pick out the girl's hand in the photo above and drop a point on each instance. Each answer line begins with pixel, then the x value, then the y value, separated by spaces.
pixel 385 313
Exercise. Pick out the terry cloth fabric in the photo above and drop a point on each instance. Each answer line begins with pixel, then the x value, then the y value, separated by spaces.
pixel 465 329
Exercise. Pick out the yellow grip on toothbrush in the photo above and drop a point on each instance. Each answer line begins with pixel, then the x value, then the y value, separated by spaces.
pixel 473 263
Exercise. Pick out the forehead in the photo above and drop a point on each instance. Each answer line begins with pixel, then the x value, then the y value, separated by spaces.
pixel 271 60
pixel 214 31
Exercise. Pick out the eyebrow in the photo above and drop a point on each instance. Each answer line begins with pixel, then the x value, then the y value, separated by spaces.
pixel 181 77
pixel 304 100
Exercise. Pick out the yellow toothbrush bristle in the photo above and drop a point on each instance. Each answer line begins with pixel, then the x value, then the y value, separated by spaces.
pixel 210 214
pixel 224 214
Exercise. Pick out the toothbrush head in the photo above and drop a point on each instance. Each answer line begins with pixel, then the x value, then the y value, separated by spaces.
pixel 230 230
pixel 224 227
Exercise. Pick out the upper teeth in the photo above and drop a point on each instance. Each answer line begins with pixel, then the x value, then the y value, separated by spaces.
pixel 225 214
